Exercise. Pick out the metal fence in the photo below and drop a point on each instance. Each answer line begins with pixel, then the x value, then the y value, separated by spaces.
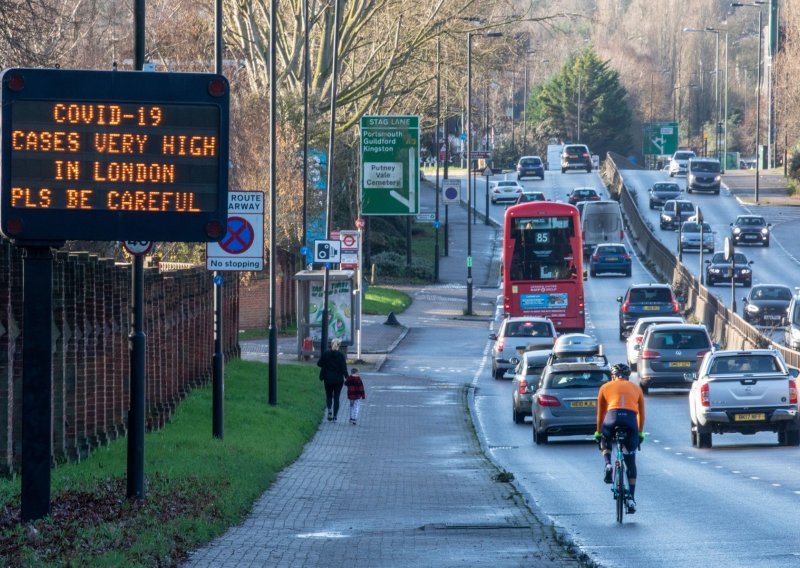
pixel 726 327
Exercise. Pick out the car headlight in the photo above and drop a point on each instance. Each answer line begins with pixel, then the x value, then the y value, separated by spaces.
pixel 691 177
pixel 717 178
pixel 666 217
pixel 714 270
pixel 764 231
pixel 752 308
pixel 795 333
pixel 736 230
pixel 745 271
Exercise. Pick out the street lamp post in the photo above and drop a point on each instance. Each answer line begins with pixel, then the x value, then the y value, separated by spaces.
pixel 469 164
pixel 716 87
pixel 756 4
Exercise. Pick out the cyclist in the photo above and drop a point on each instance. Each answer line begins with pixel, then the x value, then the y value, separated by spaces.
pixel 621 403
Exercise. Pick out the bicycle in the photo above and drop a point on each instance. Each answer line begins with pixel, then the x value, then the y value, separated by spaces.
pixel 619 485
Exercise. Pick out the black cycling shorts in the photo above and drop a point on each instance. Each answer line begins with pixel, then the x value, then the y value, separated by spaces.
pixel 626 419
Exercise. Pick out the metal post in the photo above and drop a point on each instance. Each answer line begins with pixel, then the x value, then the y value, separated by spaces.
pixel 218 359
pixel 446 167
pixel 306 65
pixel 273 209
pixel 733 279
pixel 331 162
pixel 513 143
pixel 680 229
pixel 716 98
pixel 525 111
pixel 438 151
pixel 758 105
pixel 136 337
pixel 469 173
pixel 486 219
pixel 37 386
pixel 700 221
pixel 725 118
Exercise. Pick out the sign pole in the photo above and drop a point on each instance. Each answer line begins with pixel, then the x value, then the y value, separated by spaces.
pixel 218 360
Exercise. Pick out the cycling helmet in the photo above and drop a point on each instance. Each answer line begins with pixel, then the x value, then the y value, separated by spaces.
pixel 621 370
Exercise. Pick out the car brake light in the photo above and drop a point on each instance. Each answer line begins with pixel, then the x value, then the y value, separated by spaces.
pixel 595 257
pixel 792 391
pixel 701 354
pixel 625 307
pixel 675 307
pixel 523 386
pixel 585 155
pixel 704 395
pixel 650 354
pixel 622 236
pixel 639 338
pixel 626 256
pixel 547 400
pixel 500 343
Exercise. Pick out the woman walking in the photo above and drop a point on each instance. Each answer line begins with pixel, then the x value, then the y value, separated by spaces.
pixel 333 372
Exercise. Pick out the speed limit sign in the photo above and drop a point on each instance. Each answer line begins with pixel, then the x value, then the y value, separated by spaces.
pixel 137 247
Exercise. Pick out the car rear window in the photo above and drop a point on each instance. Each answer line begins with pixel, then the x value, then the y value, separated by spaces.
pixel 528 329
pixel 643 295
pixel 686 206
pixel 686 339
pixel 745 364
pixel 606 250
pixel 666 187
pixel 577 379
pixel 705 166
pixel 530 162
pixel 683 155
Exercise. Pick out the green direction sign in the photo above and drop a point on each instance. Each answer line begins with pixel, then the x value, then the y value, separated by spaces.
pixel 660 138
pixel 389 165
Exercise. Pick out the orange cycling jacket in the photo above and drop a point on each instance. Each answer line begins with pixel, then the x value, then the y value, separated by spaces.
pixel 620 394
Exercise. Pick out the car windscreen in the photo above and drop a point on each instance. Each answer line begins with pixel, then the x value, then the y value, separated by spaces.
pixel 750 221
pixel 745 364
pixel 674 339
pixel 705 166
pixel 771 293
pixel 577 379
pixel 719 258
pixel 528 329
pixel 657 295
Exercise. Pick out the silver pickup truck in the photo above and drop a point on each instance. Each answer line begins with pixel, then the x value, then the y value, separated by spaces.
pixel 744 392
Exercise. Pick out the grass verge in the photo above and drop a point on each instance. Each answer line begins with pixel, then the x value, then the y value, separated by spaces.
pixel 195 486
pixel 379 301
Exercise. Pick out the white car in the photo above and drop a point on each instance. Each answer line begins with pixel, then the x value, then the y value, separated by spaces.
pixel 635 338
pixel 505 190
pixel 517 335
pixel 679 163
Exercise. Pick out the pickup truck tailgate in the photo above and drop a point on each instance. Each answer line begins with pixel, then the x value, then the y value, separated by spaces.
pixel 748 391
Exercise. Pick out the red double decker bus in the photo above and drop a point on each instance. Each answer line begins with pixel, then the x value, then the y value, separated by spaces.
pixel 543 263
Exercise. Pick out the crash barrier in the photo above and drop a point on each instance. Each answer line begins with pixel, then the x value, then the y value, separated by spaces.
pixel 725 327
pixel 90 355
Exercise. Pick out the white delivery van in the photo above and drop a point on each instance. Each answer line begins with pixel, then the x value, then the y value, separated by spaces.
pixel 554 156
pixel 601 222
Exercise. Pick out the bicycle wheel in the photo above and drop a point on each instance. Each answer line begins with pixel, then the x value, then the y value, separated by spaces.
pixel 619 482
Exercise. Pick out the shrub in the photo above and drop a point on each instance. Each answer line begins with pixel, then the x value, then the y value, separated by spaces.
pixel 393 265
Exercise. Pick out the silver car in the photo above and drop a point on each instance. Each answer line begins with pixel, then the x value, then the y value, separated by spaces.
pixel 669 351
pixel 691 238
pixel 526 377
pixel 634 340
pixel 565 401
pixel 517 335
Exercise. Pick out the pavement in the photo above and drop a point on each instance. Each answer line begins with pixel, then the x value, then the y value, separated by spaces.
pixel 410 485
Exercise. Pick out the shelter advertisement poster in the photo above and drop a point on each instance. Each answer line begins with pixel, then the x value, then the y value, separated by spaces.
pixel 340 311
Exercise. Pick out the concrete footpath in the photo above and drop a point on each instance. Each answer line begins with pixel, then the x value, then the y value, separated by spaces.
pixel 409 485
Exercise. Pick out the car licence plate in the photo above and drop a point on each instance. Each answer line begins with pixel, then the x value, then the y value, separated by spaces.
pixel 583 403
pixel 680 364
pixel 651 308
pixel 750 417
pixel 611 259
pixel 751 237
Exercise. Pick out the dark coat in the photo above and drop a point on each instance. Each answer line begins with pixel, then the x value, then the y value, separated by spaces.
pixel 333 367
pixel 355 388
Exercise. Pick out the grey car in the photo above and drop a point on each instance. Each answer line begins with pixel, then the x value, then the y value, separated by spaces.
pixel 663 191
pixel 565 401
pixel 691 238
pixel 517 335
pixel 526 377
pixel 668 352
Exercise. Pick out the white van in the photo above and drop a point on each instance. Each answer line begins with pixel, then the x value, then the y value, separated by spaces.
pixel 554 156
pixel 601 222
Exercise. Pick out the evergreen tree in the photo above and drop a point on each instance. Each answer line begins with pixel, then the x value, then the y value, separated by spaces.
pixel 584 102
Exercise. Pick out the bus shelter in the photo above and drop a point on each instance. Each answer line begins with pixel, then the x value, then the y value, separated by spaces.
pixel 310 302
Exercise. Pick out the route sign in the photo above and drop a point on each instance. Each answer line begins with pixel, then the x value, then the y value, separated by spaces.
pixel 113 155
pixel 451 190
pixel 660 138
pixel 242 247
pixel 389 165
pixel 350 246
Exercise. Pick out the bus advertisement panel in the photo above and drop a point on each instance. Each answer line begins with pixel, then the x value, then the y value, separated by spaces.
pixel 543 263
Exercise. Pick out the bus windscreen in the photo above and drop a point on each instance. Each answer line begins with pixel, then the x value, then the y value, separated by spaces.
pixel 542 249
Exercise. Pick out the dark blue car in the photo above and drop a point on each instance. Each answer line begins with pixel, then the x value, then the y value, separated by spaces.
pixel 609 257
pixel 530 166
pixel 644 300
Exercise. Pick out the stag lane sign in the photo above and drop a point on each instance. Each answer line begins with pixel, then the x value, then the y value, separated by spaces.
pixel 113 156
pixel 390 165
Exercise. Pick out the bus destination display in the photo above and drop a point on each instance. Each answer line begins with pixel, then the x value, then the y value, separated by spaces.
pixel 133 169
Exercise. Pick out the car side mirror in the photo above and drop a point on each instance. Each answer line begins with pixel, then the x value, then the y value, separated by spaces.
pixel 731 224
pixel 716 346
pixel 794 372
pixel 619 299
pixel 585 275
pixel 749 263
pixel 690 376
pixel 769 224
pixel 681 299
pixel 744 300
pixel 493 336
pixel 707 261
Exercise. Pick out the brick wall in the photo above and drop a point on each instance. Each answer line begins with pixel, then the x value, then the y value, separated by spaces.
pixel 254 296
pixel 91 360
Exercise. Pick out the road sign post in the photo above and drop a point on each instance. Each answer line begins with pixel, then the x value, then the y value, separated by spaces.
pixel 389 165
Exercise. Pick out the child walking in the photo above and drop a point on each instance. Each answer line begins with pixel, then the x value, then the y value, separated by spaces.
pixel 355 393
